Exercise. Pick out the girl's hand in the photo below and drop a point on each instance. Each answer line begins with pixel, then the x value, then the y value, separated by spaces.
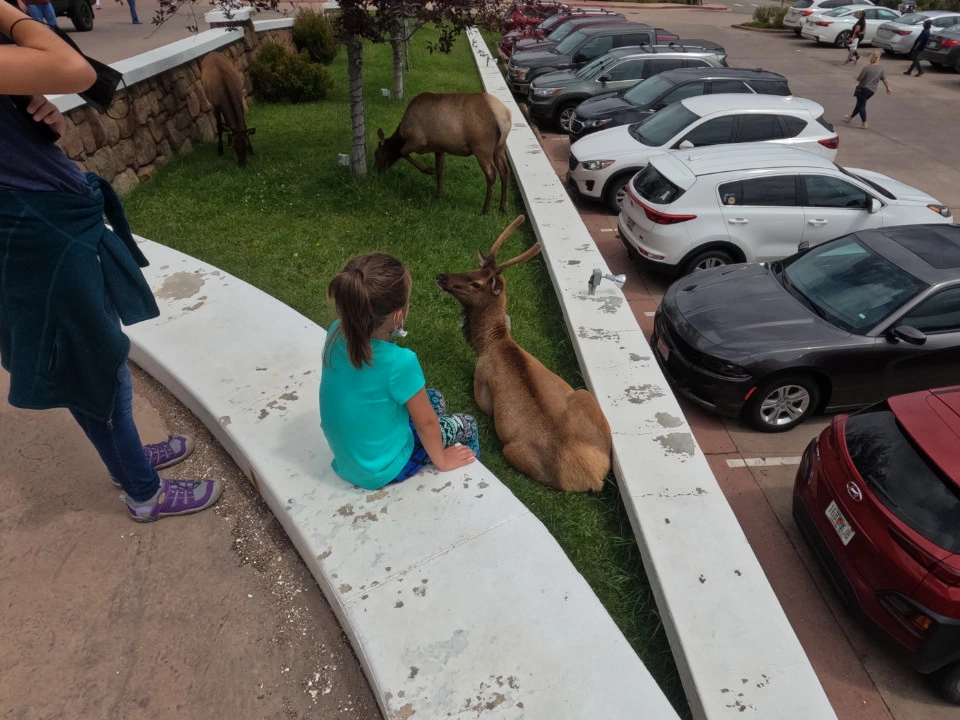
pixel 455 457
pixel 889 91
pixel 45 111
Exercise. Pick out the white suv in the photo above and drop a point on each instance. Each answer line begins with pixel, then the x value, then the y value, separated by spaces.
pixel 601 164
pixel 802 9
pixel 693 210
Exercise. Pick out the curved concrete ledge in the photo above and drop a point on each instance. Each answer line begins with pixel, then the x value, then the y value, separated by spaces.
pixel 733 645
pixel 455 597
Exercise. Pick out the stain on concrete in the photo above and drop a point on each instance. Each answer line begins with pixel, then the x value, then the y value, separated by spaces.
pixel 737 573
pixel 483 485
pixel 398 604
pixel 666 521
pixel 290 396
pixel 263 414
pixel 259 369
pixel 669 421
pixel 345 588
pixel 433 658
pixel 224 420
pixel 635 357
pixel 585 333
pixel 406 712
pixel 191 308
pixel 345 510
pixel 441 489
pixel 420 591
pixel 325 554
pixel 413 672
pixel 609 304
pixel 677 443
pixel 639 394
pixel 573 262
pixel 180 286
pixel 702 579
pixel 366 516
pixel 378 495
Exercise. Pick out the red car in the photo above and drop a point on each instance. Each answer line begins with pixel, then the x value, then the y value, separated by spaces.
pixel 877 496
pixel 531 36
pixel 523 15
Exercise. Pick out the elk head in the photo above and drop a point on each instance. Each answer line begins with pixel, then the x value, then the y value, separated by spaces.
pixel 484 287
pixel 239 140
pixel 387 152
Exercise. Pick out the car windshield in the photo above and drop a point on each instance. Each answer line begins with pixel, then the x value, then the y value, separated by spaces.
pixel 594 68
pixel 571 43
pixel 903 477
pixel 661 127
pixel 561 31
pixel 837 12
pixel 847 284
pixel 800 4
pixel 550 22
pixel 645 92
pixel 911 19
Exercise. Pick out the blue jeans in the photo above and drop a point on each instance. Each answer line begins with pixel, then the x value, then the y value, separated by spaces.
pixel 133 10
pixel 43 13
pixel 861 106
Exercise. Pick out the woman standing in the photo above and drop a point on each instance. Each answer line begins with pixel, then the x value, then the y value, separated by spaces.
pixel 868 82
pixel 68 281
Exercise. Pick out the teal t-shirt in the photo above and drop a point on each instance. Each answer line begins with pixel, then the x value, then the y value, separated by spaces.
pixel 363 412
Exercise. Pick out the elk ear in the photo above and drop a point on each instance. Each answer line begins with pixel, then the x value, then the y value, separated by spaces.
pixel 480 258
pixel 496 285
pixel 380 136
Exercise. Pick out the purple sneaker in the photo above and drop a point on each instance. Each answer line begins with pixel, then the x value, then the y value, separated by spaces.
pixel 169 452
pixel 176 497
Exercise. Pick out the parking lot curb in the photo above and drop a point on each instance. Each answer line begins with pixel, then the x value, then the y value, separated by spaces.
pixel 772 31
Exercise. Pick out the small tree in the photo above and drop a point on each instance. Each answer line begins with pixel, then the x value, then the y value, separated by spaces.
pixel 383 21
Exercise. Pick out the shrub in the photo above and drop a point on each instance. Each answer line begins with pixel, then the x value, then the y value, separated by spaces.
pixel 769 16
pixel 763 14
pixel 313 32
pixel 279 75
pixel 779 15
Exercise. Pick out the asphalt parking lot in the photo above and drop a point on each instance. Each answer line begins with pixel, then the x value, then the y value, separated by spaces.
pixel 910 139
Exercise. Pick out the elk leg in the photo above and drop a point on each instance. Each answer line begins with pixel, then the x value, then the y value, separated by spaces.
pixel 219 117
pixel 422 168
pixel 440 158
pixel 503 168
pixel 490 171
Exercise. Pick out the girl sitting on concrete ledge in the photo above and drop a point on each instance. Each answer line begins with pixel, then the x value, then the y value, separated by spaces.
pixel 381 421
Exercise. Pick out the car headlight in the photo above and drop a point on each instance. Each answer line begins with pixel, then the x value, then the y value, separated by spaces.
pixel 941 210
pixel 596 123
pixel 546 92
pixel 722 368
pixel 597 164
pixel 521 73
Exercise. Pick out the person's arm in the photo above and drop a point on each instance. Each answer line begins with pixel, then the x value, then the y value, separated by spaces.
pixel 428 428
pixel 40 62
pixel 883 79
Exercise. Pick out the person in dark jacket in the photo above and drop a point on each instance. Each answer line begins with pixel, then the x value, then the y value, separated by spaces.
pixel 918 46
pixel 69 281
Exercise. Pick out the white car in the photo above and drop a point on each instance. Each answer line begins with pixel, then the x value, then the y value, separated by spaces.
pixel 802 9
pixel 602 163
pixel 834 26
pixel 697 209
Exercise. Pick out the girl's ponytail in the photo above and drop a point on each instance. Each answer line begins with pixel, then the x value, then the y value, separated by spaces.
pixel 367 290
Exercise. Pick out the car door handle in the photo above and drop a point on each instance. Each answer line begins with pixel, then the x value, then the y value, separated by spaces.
pixel 817 222
pixel 737 221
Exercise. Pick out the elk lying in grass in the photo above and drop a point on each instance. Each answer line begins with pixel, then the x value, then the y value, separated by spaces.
pixel 223 84
pixel 551 432
pixel 461 124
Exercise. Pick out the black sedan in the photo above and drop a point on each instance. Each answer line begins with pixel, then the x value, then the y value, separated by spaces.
pixel 642 100
pixel 836 327
pixel 943 48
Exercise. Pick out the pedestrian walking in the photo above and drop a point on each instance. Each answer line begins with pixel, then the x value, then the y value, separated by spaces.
pixel 860 27
pixel 918 46
pixel 133 11
pixel 69 280
pixel 853 42
pixel 42 11
pixel 868 82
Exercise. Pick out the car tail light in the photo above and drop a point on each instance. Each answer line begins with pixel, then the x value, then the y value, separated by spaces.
pixel 903 33
pixel 914 618
pixel 806 12
pixel 831 143
pixel 661 218
pixel 805 470
pixel 949 42
pixel 946 574
pixel 824 23
pixel 921 556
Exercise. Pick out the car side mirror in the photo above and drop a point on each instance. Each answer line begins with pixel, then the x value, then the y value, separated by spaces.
pixel 604 79
pixel 686 145
pixel 804 246
pixel 874 205
pixel 579 58
pixel 909 335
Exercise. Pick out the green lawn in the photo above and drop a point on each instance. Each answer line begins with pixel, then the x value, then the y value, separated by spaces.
pixel 288 222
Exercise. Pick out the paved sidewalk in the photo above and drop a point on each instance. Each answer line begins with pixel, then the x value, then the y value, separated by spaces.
pixel 210 616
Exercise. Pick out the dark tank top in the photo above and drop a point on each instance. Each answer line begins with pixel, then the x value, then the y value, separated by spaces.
pixel 28 163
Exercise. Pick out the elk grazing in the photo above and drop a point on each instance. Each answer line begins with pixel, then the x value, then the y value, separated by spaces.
pixel 556 435
pixel 460 124
pixel 223 84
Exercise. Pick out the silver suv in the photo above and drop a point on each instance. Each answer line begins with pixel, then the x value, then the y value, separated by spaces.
pixel 555 96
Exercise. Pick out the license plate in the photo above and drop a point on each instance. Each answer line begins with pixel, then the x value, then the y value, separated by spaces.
pixel 840 523
pixel 933 45
pixel 631 226
pixel 665 352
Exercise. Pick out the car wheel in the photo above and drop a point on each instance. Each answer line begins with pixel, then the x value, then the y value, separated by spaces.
pixel 706 260
pixel 565 115
pixel 950 683
pixel 616 193
pixel 796 31
pixel 888 51
pixel 82 16
pixel 783 403
pixel 841 40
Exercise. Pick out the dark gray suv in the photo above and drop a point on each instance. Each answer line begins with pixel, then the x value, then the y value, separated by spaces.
pixel 575 51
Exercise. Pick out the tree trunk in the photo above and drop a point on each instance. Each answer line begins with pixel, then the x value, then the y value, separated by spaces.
pixel 355 75
pixel 396 43
pixel 406 44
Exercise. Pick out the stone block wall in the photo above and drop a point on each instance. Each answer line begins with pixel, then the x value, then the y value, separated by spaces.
pixel 155 119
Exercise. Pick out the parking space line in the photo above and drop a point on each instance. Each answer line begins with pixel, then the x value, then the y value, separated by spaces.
pixel 606 230
pixel 763 462
pixel 650 314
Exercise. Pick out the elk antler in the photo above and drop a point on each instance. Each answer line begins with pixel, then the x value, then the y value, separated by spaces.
pixel 532 252
pixel 504 235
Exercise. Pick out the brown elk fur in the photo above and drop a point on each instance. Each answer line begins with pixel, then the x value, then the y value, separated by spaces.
pixel 556 435
pixel 223 84
pixel 460 124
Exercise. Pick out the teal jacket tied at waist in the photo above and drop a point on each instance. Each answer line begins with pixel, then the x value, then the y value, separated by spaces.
pixel 59 264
